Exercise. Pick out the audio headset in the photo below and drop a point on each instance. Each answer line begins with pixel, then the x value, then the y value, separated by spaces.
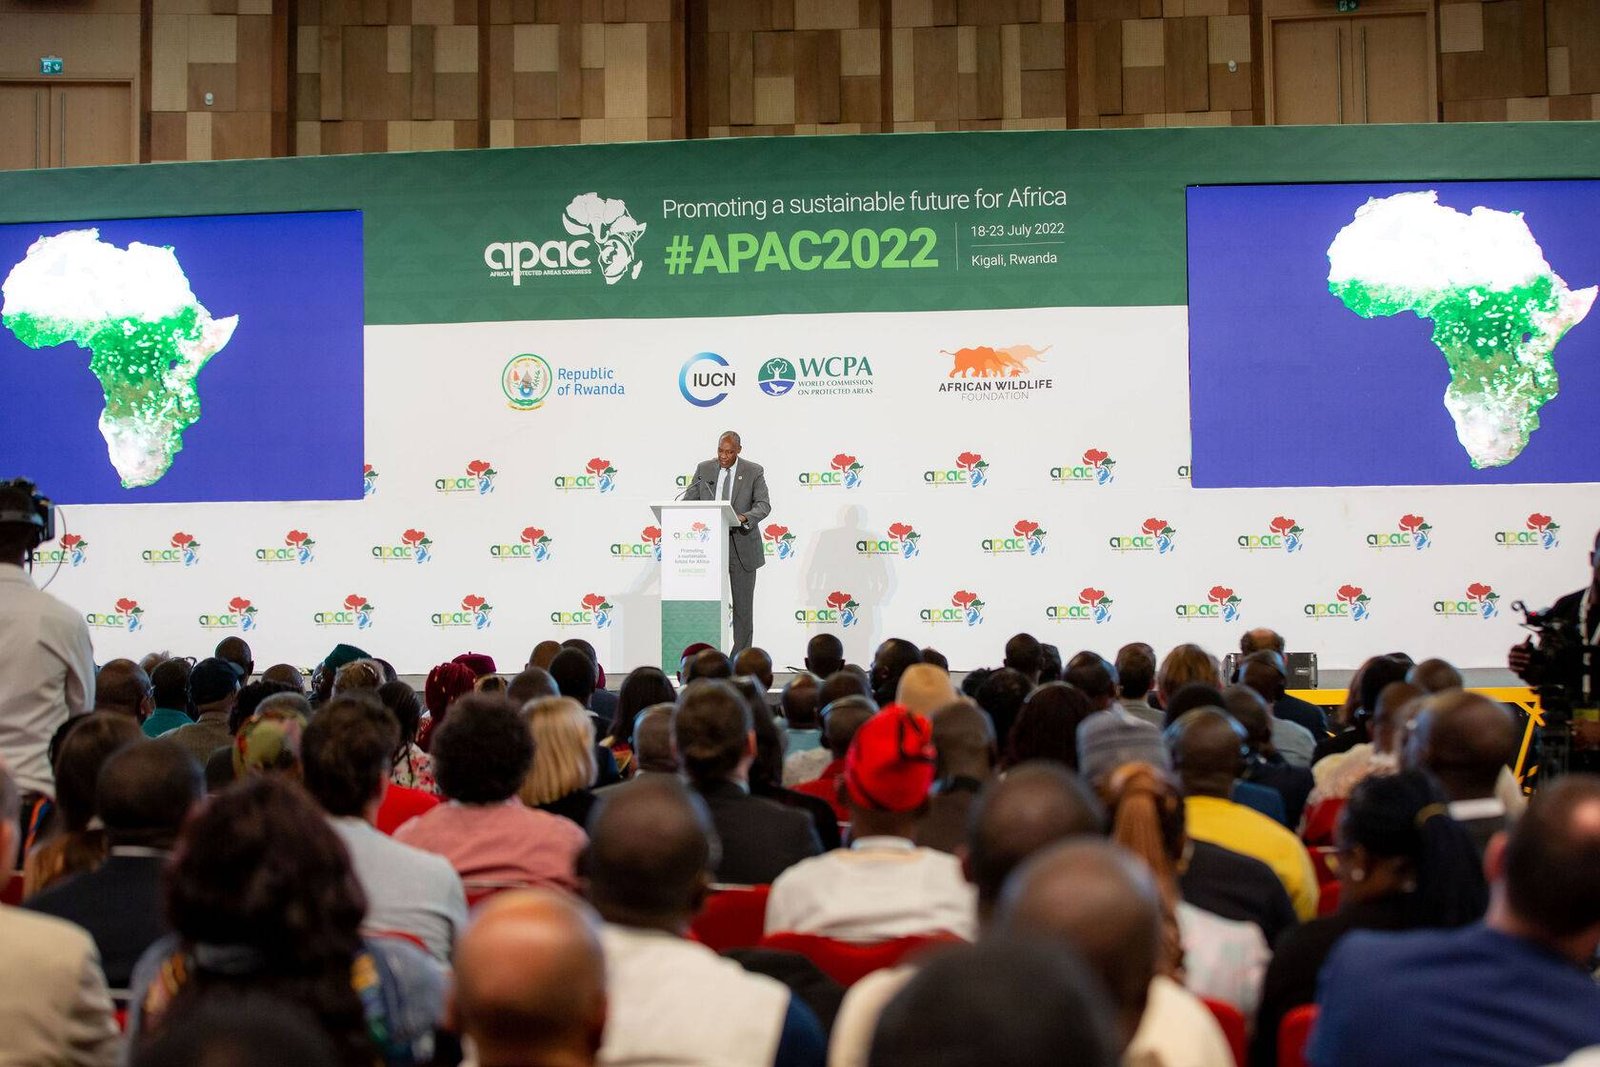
pixel 40 513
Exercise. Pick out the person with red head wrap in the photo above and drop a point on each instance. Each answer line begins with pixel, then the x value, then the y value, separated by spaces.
pixel 445 683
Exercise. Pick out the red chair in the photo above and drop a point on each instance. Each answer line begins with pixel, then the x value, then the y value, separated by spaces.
pixel 1328 901
pixel 1231 1019
pixel 12 891
pixel 1294 1035
pixel 847 962
pixel 480 891
pixel 1319 821
pixel 732 918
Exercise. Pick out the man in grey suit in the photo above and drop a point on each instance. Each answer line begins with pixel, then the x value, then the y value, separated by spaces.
pixel 742 484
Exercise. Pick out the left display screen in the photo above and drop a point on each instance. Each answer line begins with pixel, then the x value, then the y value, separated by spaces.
pixel 203 358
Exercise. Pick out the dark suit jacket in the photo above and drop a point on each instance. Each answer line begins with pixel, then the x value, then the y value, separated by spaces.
pixel 1236 886
pixel 760 838
pixel 119 903
pixel 1303 712
pixel 748 497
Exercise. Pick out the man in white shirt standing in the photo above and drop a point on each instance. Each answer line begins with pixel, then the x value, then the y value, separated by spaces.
pixel 47 669
pixel 884 886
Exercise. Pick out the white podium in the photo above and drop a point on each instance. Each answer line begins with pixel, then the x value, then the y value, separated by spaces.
pixel 694 576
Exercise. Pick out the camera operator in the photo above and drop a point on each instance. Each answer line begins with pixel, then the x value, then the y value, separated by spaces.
pixel 1565 630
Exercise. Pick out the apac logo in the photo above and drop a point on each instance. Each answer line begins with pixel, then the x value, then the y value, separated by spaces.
pixel 1025 537
pixel 903 540
pixel 1222 604
pixel 1096 467
pixel 778 540
pixel 356 611
pixel 241 615
pixel 1283 535
pixel 698 532
pixel 965 607
pixel 526 381
pixel 480 479
pixel 595 611
pixel 532 544
pixel 183 549
pixel 1093 605
pixel 415 547
pixel 816 376
pixel 843 470
pixel 841 609
pixel 1542 531
pixel 1349 602
pixel 706 388
pixel 474 612
pixel 647 547
pixel 297 546
pixel 1182 472
pixel 597 474
pixel 1481 602
pixel 369 480
pixel 1414 532
pixel 70 551
pixel 603 235
pixel 992 373
pixel 971 470
pixel 128 616
pixel 1155 535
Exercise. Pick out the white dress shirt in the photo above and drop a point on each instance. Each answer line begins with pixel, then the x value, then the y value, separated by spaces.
pixel 46 675
pixel 1177 1030
pixel 878 889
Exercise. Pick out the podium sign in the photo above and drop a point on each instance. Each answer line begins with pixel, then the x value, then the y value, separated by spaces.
pixel 694 576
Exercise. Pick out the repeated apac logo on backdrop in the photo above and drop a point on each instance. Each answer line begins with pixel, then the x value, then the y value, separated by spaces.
pixel 902 539
pixel 1283 535
pixel 598 475
pixel 1541 532
pixel 182 548
pixel 838 375
pixel 1155 535
pixel 369 480
pixel 1096 468
pixel 1221 605
pixel 602 238
pixel 705 379
pixel 356 611
pixel 528 381
pixel 474 612
pixel 479 479
pixel 1026 538
pixel 69 549
pixel 1093 605
pixel 125 615
pixel 1412 531
pixel 778 540
pixel 296 548
pixel 840 609
pixel 531 544
pixel 970 470
pixel 593 610
pixel 1480 602
pixel 988 373
pixel 965 608
pixel 415 547
pixel 240 614
pixel 844 472
pixel 648 546
pixel 1349 602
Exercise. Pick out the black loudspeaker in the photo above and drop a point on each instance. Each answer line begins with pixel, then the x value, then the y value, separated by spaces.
pixel 40 513
pixel 1302 667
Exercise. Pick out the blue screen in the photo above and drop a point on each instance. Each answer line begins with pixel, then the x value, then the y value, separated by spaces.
pixel 280 404
pixel 1291 387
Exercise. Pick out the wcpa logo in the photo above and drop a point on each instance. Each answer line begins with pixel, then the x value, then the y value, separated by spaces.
pixel 183 548
pixel 1349 602
pixel 1026 537
pixel 1413 531
pixel 841 609
pixel 532 544
pixel 778 540
pixel 1542 531
pixel 70 549
pixel 646 548
pixel 241 615
pixel 369 480
pixel 356 611
pixel 296 548
pixel 1096 469
pixel 844 472
pixel 1283 535
pixel 127 615
pixel 903 540
pixel 479 479
pixel 594 610
pixel 415 547
pixel 1155 535
pixel 1093 606
pixel 965 607
pixel 1222 605
pixel 1480 602
pixel 599 475
pixel 474 612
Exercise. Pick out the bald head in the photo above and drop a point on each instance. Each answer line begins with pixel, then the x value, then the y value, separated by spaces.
pixel 122 685
pixel 1464 739
pixel 964 739
pixel 1035 805
pixel 800 701
pixel 1260 638
pixel 651 852
pixel 1103 902
pixel 1434 676
pixel 924 687
pixel 652 739
pixel 1249 709
pixel 755 663
pixel 237 652
pixel 1264 672
pixel 843 718
pixel 1205 752
pixel 530 980
pixel 285 674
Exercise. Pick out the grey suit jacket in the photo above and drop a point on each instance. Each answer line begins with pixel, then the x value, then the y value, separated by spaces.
pixel 748 497
pixel 54 1006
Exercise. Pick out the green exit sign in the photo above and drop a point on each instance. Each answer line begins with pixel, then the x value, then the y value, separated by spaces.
pixel 1349 5
pixel 50 65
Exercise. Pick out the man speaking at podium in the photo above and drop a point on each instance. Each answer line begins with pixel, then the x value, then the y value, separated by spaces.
pixel 742 484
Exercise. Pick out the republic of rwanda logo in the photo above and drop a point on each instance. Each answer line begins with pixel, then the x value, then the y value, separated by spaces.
pixel 1349 602
pixel 369 480
pixel 778 540
pixel 183 549
pixel 474 612
pixel 128 616
pixel 844 469
pixel 597 474
pixel 70 550
pixel 240 615
pixel 1096 467
pixel 902 540
pixel 297 546
pixel 1542 531
pixel 526 381
pixel 1413 531
pixel 1097 602
pixel 1283 533
pixel 777 376
pixel 840 608
pixel 479 479
pixel 1481 602
pixel 1221 603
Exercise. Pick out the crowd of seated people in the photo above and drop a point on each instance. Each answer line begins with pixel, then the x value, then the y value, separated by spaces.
pixel 1119 858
